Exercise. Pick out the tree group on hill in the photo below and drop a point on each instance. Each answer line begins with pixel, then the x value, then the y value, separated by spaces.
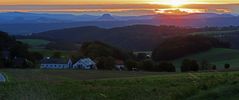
pixel 189 65
pixel 178 47
pixel 14 54
pixel 104 54
pixel 149 65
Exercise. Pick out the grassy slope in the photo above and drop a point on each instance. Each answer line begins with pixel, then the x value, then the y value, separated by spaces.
pixel 218 56
pixel 38 45
pixel 215 32
pixel 34 42
pixel 199 86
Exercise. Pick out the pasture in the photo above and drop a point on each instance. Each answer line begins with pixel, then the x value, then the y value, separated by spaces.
pixel 34 42
pixel 38 45
pixel 217 56
pixel 112 85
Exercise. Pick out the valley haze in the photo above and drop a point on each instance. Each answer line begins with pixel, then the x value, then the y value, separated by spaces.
pixel 21 23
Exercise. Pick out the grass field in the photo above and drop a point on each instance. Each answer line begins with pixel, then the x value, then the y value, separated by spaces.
pixel 35 42
pixel 38 45
pixel 111 85
pixel 217 56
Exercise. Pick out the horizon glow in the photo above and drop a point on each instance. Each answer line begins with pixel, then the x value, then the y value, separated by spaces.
pixel 87 2
pixel 121 7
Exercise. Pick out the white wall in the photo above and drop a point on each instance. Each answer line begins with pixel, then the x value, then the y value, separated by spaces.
pixel 54 66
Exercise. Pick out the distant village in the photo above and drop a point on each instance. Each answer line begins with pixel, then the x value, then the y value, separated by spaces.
pixel 83 63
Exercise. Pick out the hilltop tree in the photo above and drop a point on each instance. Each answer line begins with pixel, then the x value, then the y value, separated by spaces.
pixel 227 66
pixel 166 67
pixel 17 53
pixel 105 63
pixel 214 67
pixel 147 65
pixel 130 64
pixel 104 54
pixel 99 49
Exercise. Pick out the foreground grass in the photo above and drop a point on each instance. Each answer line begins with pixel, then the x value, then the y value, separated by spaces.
pixel 119 86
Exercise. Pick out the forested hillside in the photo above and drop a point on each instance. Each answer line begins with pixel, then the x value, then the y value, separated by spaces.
pixel 14 54
pixel 137 37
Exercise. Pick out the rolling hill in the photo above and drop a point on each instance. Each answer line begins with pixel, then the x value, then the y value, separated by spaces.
pixel 25 23
pixel 229 35
pixel 34 42
pixel 136 37
pixel 217 56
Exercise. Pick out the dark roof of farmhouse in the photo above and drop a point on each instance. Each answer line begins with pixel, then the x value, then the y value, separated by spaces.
pixel 53 61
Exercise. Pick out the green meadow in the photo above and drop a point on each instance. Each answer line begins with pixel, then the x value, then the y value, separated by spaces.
pixel 34 42
pixel 217 56
pixel 38 45
pixel 112 85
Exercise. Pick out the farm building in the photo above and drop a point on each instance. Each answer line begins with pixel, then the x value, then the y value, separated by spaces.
pixel 85 63
pixel 55 63
pixel 147 54
pixel 119 65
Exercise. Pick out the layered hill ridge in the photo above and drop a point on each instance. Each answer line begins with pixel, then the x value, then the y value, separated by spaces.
pixel 136 37
pixel 25 23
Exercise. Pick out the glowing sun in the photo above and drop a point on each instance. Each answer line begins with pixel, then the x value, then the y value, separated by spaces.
pixel 173 3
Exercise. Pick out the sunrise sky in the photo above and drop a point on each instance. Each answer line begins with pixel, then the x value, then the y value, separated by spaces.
pixel 121 7
pixel 12 2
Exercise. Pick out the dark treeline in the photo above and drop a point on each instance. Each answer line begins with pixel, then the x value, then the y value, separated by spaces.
pixel 227 28
pixel 136 37
pixel 14 54
pixel 104 54
pixel 178 47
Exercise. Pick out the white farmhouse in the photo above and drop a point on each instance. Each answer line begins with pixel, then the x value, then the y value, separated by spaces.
pixel 85 63
pixel 55 63
pixel 119 65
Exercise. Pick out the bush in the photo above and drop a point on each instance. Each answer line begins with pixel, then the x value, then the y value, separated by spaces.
pixel 227 66
pixel 105 63
pixel 130 64
pixel 147 65
pixel 166 67
pixel 189 65
pixel 214 67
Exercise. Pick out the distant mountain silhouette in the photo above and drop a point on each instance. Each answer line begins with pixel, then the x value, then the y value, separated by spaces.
pixel 106 17
pixel 25 23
